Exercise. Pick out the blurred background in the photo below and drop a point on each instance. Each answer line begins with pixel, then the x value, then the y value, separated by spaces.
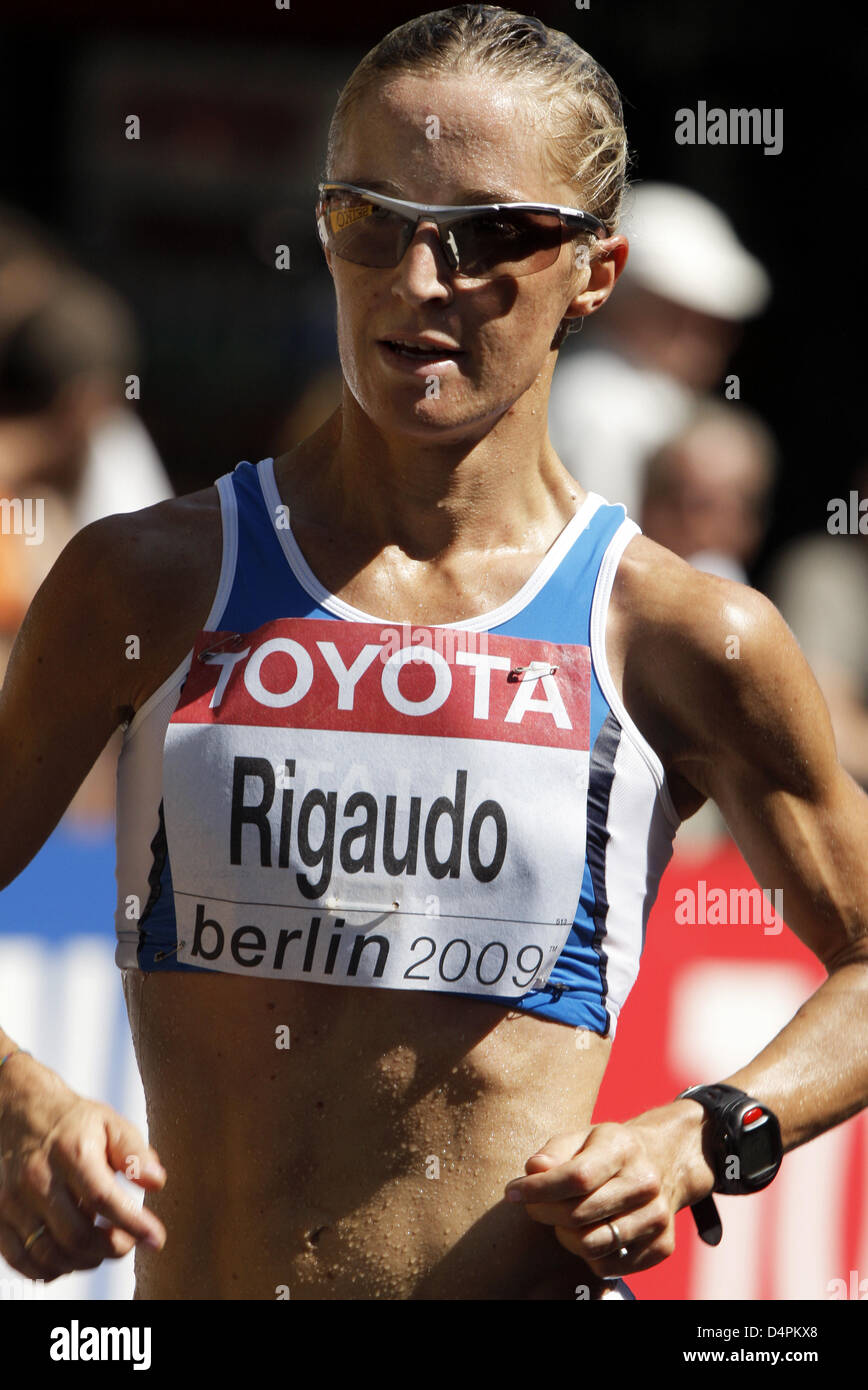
pixel 149 340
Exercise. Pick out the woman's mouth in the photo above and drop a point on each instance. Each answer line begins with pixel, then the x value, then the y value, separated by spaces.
pixel 418 353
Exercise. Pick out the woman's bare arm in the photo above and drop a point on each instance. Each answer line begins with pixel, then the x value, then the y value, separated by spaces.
pixel 715 680
pixel 74 676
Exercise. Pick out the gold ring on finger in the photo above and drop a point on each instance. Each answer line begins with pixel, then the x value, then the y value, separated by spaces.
pixel 34 1237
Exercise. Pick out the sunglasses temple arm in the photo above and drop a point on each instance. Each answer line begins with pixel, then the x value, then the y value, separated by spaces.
pixel 589 224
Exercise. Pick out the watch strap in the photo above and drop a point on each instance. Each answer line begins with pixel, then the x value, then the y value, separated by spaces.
pixel 709 1096
pixel 708 1222
pixel 705 1214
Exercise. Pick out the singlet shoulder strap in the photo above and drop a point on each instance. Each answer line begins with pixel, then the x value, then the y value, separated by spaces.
pixel 618 543
pixel 229 524
pixel 261 584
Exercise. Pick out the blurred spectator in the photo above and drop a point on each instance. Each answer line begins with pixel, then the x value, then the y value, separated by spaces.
pixel 820 585
pixel 705 496
pixel 665 336
pixel 71 448
pixel 705 491
pixel 67 345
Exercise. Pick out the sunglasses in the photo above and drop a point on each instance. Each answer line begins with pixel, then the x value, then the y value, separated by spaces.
pixel 482 241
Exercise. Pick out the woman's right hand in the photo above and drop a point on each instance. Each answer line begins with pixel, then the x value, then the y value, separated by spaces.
pixel 58 1157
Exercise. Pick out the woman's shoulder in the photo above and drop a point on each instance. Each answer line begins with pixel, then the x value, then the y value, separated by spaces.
pixel 709 663
pixel 115 616
pixel 153 573
pixel 660 592
pixel 684 625
pixel 153 542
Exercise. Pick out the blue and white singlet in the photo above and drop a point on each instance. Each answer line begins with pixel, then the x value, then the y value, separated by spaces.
pixel 318 794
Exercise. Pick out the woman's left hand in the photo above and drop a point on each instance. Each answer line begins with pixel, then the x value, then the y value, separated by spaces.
pixel 636 1175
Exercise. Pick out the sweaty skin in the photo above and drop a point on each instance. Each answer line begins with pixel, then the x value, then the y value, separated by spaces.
pixel 307 1168
pixel 306 1171
pixel 367 1161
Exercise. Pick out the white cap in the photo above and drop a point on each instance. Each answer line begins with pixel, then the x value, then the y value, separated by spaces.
pixel 684 248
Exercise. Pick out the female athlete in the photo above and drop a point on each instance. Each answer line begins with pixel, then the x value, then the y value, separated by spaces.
pixel 410 722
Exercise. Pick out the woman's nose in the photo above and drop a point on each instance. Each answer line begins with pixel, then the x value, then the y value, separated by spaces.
pixel 428 261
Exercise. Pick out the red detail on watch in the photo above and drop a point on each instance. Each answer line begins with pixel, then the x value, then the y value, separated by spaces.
pixel 751 1116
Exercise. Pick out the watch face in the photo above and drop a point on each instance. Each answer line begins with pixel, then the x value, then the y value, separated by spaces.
pixel 758 1149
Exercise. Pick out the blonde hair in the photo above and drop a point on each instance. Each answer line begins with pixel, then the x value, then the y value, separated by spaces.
pixel 582 106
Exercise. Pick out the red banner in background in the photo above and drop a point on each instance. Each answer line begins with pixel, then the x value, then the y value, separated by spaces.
pixel 715 986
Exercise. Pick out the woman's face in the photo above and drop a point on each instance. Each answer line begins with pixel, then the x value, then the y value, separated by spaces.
pixel 486 148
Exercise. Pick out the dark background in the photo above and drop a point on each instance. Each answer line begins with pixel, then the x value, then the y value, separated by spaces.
pixel 234 98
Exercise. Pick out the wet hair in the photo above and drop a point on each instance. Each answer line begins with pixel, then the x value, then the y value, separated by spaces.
pixel 583 119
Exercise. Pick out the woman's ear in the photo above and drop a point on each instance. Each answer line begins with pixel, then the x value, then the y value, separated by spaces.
pixel 599 270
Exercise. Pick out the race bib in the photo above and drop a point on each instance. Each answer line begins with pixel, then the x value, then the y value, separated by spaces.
pixel 401 808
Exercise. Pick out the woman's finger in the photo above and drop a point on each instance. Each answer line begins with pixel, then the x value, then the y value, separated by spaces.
pixel 13 1252
pixel 36 1244
pixel 646 1234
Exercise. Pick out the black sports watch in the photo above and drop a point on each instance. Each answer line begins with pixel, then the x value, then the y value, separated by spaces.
pixel 745 1148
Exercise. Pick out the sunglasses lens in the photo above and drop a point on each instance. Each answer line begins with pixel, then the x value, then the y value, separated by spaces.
pixel 488 245
pixel 358 230
pixel 507 243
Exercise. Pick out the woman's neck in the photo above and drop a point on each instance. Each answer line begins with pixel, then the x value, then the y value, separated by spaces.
pixel 507 488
